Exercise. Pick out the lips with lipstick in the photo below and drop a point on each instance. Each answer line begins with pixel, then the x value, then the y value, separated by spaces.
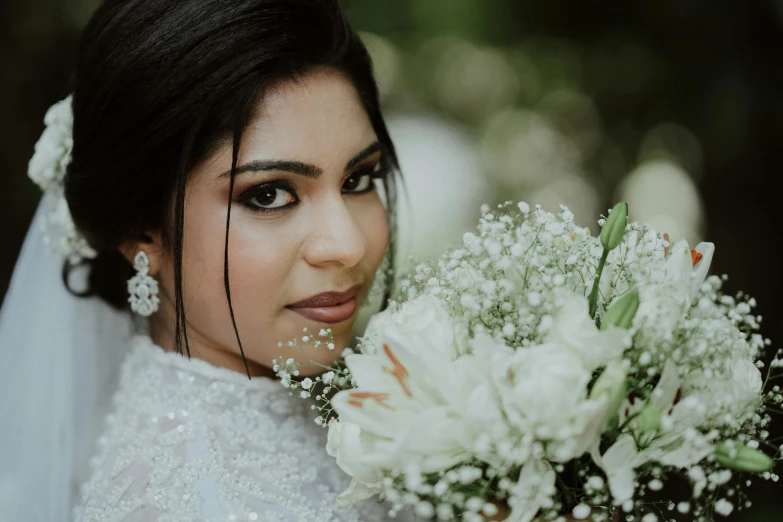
pixel 328 307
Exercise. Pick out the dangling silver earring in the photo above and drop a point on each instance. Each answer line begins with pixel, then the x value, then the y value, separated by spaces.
pixel 143 289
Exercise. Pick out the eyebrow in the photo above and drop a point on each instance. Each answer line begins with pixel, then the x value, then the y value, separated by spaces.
pixel 303 169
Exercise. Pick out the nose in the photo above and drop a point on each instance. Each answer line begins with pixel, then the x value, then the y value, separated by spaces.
pixel 335 238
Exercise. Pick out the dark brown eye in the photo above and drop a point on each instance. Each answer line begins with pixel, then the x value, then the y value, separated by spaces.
pixel 271 198
pixel 351 183
pixel 358 183
pixel 267 197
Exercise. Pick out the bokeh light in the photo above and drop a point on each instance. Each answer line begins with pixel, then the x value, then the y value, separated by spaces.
pixel 575 115
pixel 672 141
pixel 663 195
pixel 442 170
pixel 470 82
pixel 574 192
pixel 522 149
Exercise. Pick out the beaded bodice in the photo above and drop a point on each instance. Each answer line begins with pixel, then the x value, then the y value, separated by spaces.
pixel 187 441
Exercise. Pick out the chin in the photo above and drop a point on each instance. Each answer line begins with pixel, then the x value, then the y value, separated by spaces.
pixel 323 355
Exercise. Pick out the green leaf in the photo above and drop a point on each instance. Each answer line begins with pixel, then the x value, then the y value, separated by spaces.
pixel 742 458
pixel 622 312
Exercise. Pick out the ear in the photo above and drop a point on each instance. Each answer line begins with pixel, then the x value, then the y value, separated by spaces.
pixel 152 245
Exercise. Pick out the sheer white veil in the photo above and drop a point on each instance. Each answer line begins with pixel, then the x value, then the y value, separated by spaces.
pixel 59 361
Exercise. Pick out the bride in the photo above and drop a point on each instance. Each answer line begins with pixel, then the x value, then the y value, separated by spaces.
pixel 218 182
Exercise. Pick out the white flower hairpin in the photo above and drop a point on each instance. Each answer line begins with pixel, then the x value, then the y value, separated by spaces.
pixel 47 169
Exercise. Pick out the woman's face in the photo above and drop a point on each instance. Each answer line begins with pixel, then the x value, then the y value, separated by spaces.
pixel 305 220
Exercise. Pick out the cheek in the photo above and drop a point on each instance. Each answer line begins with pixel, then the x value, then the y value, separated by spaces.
pixel 203 246
pixel 260 256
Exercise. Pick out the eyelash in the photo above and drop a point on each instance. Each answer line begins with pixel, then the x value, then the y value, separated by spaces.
pixel 379 171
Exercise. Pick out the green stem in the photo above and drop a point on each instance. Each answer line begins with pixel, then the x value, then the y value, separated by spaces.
pixel 594 293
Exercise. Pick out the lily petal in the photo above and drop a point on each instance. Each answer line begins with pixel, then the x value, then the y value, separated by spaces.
pixel 534 490
pixel 664 393
pixel 356 491
pixel 702 268
pixel 618 463
pixel 383 417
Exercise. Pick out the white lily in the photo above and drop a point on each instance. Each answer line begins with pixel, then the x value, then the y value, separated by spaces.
pixel 543 391
pixel 685 270
pixel 413 405
pixel 690 266
pixel 424 320
pixel 677 443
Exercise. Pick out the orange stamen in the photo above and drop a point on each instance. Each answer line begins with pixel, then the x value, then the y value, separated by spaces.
pixel 378 397
pixel 666 248
pixel 695 257
pixel 399 371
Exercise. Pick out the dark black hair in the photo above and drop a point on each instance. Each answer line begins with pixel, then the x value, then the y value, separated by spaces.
pixel 159 85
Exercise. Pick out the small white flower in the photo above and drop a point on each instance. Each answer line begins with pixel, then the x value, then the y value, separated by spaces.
pixel 724 507
pixel 582 511
pixel 425 509
pixel 445 512
pixel 595 482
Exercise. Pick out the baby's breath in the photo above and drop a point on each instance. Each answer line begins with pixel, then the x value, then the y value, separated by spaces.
pixel 319 388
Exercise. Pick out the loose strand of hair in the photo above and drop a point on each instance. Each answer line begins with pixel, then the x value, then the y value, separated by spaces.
pixel 181 326
pixel 226 281
pixel 389 188
pixel 239 127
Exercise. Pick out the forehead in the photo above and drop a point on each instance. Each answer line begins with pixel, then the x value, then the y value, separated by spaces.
pixel 318 118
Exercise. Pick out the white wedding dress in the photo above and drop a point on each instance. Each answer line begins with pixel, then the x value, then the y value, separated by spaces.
pixel 187 441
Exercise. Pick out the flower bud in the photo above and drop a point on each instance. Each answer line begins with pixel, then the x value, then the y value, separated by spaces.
pixel 742 458
pixel 611 384
pixel 622 312
pixel 614 229
pixel 649 420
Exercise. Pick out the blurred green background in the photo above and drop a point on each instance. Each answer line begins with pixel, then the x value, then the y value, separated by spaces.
pixel 672 105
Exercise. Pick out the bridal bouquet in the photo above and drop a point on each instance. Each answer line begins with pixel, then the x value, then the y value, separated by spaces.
pixel 547 371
